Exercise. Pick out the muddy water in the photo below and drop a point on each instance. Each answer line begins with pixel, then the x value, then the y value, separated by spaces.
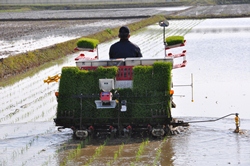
pixel 218 58
pixel 212 144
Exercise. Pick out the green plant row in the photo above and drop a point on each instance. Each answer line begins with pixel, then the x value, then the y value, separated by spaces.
pixel 78 90
pixel 87 43
pixel 97 153
pixel 140 152
pixel 172 40
pixel 158 152
pixel 76 82
pixel 156 77
pixel 116 155
pixel 21 63
pixel 74 152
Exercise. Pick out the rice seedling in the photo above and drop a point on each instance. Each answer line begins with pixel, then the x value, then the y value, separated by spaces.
pixel 87 43
pixel 172 40
pixel 116 155
pixel 140 151
pixel 73 153
pixel 158 152
pixel 3 162
pixel 97 153
pixel 24 163
pixel 50 158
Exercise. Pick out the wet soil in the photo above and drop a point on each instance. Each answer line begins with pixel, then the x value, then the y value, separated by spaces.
pixel 18 29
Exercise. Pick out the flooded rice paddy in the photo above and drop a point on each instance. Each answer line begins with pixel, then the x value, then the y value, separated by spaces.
pixel 36 35
pixel 218 57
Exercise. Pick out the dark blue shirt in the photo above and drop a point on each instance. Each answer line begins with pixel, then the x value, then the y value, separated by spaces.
pixel 124 49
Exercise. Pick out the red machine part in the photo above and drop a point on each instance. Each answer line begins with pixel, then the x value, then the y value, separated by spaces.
pixel 125 73
pixel 176 45
pixel 111 128
pixel 150 128
pixel 105 96
pixel 82 56
pixel 91 128
pixel 129 127
pixel 183 64
pixel 177 55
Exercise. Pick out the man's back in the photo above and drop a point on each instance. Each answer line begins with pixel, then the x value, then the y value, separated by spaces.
pixel 124 49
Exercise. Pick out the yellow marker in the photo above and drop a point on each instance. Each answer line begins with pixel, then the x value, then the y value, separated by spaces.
pixel 171 92
pixel 237 123
pixel 54 78
pixel 237 119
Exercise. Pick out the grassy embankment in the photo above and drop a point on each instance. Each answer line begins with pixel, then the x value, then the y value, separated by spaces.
pixel 25 64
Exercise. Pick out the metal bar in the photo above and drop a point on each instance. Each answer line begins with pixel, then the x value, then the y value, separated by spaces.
pixel 81 115
pixel 192 86
pixel 212 120
pixel 182 85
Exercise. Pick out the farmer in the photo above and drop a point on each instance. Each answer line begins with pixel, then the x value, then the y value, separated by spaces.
pixel 124 48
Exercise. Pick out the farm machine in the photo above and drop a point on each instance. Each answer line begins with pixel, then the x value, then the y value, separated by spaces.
pixel 118 97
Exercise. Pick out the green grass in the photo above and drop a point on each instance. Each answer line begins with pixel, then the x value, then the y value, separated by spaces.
pixel 172 40
pixel 87 43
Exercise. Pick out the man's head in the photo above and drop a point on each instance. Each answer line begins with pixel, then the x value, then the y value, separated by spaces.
pixel 124 32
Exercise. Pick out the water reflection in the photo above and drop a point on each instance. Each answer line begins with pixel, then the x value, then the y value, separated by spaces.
pixel 212 144
pixel 168 155
pixel 222 30
pixel 219 63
